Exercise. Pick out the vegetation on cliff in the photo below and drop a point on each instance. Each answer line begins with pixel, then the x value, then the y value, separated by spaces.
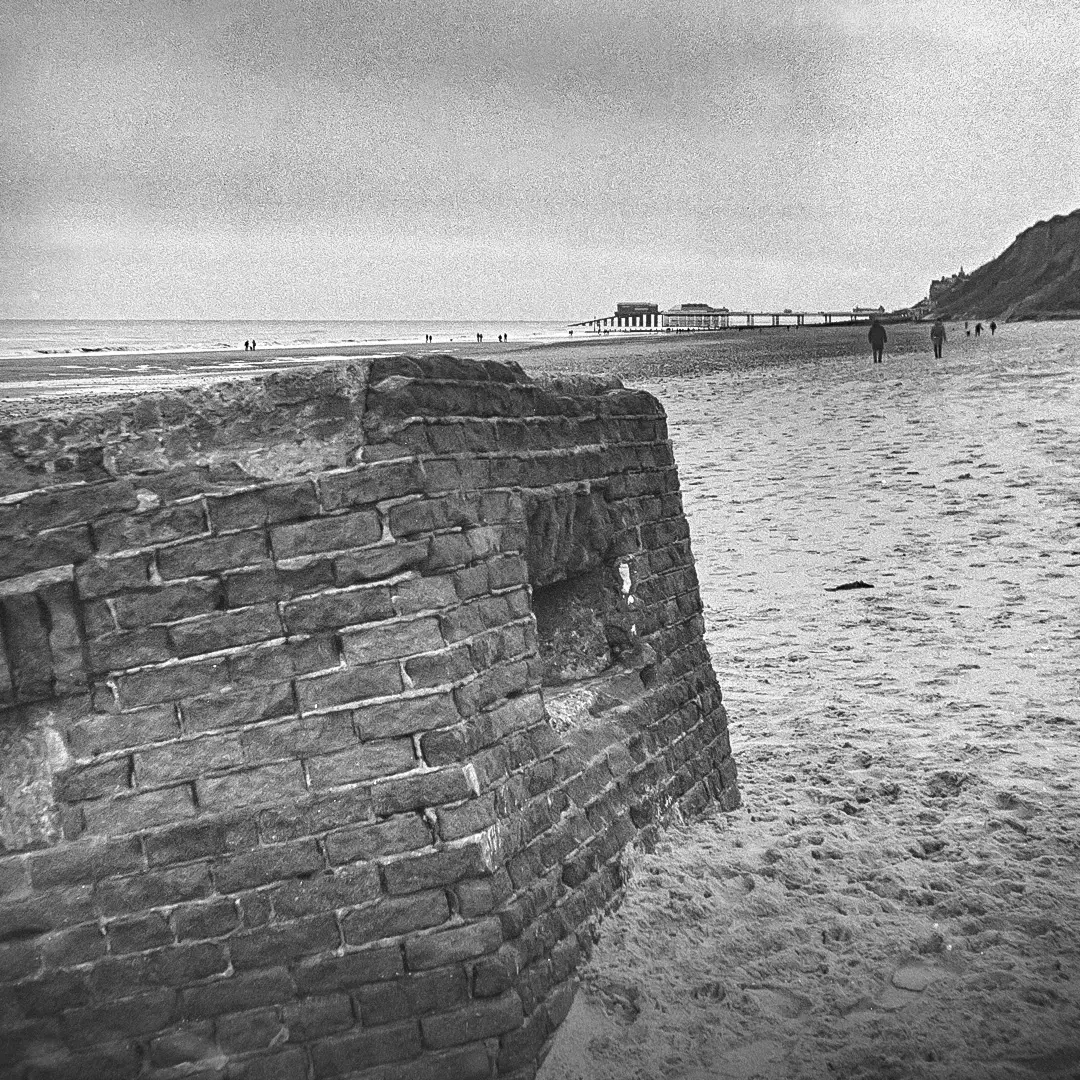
pixel 1036 277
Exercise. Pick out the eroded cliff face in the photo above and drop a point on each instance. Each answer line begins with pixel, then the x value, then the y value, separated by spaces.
pixel 1036 277
pixel 328 703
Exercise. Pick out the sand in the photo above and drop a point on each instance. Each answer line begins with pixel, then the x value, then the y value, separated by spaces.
pixel 898 895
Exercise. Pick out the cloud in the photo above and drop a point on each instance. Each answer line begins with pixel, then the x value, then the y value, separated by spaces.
pixel 731 144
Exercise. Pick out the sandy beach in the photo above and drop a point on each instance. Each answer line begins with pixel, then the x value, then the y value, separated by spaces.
pixel 897 896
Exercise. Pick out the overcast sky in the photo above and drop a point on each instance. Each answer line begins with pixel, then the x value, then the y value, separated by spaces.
pixel 371 159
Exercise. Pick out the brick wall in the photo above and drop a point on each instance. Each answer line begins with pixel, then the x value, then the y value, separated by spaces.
pixel 280 796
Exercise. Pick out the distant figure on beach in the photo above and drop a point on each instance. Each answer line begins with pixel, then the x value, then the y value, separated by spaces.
pixel 252 344
pixel 978 329
pixel 247 345
pixel 993 328
pixel 937 336
pixel 877 338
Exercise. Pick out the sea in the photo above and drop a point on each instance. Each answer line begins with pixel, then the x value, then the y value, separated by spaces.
pixel 74 337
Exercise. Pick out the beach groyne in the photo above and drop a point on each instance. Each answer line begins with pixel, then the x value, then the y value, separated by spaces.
pixel 328 702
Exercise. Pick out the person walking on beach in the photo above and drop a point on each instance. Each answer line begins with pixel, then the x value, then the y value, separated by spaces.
pixel 877 338
pixel 247 345
pixel 993 328
pixel 937 336
pixel 978 329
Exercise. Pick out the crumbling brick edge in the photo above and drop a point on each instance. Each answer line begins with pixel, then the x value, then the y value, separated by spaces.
pixel 279 792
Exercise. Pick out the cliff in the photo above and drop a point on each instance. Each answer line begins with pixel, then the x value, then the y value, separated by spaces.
pixel 1036 277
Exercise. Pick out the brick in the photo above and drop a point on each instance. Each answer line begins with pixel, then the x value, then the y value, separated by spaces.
pixel 393 916
pixel 369 484
pixel 480 1020
pixel 430 868
pixel 52 994
pixel 462 622
pixel 213 553
pixel 228 707
pixel 402 832
pixel 226 630
pixel 255 1029
pixel 171 683
pixel 197 840
pixel 87 860
pixel 414 995
pixel 15 877
pixel 187 1043
pixel 313 814
pixel 243 990
pixel 187 758
pixel 318 1015
pixel 263 865
pixel 119 1061
pixel 348 685
pixel 326 974
pixel 395 640
pixel 450 946
pixel 279 942
pixel 156 888
pixel 289 1064
pixel 471 582
pixel 139 934
pixel 521 1046
pixel 406 716
pixel 493 975
pixel 278 660
pixel 328 891
pixel 337 608
pixel 128 531
pixel 58 547
pixel 460 1063
pixel 100 734
pixel 246 587
pixel 66 506
pixel 122 1019
pixel 376 563
pixel 211 919
pixel 377 758
pixel 128 649
pixel 167 604
pixel 263 506
pixel 326 534
pixel 253 786
pixel 75 945
pixel 470 817
pixel 322 732
pixel 342 1054
pixel 134 813
pixel 449 666
pixel 417 791
pixel 19 959
pixel 53 910
pixel 449 551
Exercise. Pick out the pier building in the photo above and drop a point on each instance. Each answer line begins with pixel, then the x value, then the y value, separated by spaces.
pixel 640 317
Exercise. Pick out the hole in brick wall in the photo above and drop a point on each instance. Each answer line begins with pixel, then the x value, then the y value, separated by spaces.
pixel 594 666
pixel 41 660
pixel 593 663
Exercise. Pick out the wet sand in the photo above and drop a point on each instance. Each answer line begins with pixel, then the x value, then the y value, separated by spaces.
pixel 899 895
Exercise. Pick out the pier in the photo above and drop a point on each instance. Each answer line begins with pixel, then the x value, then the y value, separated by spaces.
pixel 646 318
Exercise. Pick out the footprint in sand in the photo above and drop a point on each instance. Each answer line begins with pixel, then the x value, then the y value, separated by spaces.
pixel 779 1003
